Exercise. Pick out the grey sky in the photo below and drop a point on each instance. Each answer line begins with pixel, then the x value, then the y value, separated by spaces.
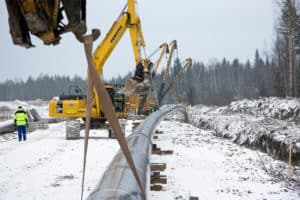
pixel 205 30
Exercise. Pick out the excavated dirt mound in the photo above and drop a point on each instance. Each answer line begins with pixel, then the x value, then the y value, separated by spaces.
pixel 270 124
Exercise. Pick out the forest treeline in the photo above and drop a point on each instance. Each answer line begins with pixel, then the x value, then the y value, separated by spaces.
pixel 43 87
pixel 221 82
pixel 214 83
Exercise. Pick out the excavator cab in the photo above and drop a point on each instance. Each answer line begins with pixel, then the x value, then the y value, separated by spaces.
pixel 44 19
pixel 74 93
pixel 73 104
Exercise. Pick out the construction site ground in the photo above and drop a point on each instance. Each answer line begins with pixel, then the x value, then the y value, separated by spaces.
pixel 47 166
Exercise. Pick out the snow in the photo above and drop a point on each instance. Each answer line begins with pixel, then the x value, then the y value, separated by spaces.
pixel 246 123
pixel 6 123
pixel 212 168
pixel 38 104
pixel 272 107
pixel 47 166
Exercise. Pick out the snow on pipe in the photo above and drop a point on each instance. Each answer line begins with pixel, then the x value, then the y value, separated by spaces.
pixel 118 181
pixel 9 126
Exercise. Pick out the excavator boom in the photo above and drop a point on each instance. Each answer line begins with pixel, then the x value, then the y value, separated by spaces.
pixel 127 20
pixel 166 72
pixel 188 63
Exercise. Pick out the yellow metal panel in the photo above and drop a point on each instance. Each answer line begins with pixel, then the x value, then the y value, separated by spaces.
pixel 27 6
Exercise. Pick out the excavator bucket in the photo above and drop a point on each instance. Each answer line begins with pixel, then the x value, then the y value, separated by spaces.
pixel 140 82
pixel 44 19
pixel 134 87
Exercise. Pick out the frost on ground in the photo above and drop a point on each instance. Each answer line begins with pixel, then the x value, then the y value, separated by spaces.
pixel 272 107
pixel 47 166
pixel 8 108
pixel 212 168
pixel 269 124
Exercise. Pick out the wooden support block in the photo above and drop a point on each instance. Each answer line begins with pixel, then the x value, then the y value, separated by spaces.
pixel 158 132
pixel 160 152
pixel 166 152
pixel 156 173
pixel 156 187
pixel 158 166
pixel 135 124
pixel 162 179
pixel 156 151
pixel 155 137
pixel 194 198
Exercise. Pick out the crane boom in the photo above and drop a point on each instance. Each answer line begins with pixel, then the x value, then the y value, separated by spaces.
pixel 166 72
pixel 127 20
pixel 165 49
pixel 188 63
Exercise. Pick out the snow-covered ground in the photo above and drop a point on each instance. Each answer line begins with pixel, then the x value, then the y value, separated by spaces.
pixel 269 124
pixel 272 107
pixel 212 168
pixel 8 108
pixel 47 166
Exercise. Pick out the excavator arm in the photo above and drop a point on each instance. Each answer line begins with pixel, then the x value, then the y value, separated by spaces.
pixel 166 72
pixel 128 20
pixel 165 50
pixel 187 63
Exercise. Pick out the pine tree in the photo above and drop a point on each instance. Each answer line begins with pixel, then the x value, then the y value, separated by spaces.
pixel 288 28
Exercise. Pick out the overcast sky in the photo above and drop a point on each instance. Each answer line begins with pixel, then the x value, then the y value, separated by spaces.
pixel 204 29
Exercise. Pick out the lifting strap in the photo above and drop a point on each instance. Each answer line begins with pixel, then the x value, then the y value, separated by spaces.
pixel 87 129
pixel 109 112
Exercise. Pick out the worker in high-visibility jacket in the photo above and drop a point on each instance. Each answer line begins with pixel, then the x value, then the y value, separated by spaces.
pixel 21 120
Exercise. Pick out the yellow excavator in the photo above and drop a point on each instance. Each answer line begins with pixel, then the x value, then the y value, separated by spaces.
pixel 74 106
pixel 44 19
pixel 145 102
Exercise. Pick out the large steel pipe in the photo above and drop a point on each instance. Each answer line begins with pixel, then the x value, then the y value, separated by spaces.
pixel 7 127
pixel 118 181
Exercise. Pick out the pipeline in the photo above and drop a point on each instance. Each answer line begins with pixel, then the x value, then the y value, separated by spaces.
pixel 10 127
pixel 118 181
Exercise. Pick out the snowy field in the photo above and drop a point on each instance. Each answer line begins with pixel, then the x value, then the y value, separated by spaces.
pixel 212 168
pixel 268 124
pixel 47 166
